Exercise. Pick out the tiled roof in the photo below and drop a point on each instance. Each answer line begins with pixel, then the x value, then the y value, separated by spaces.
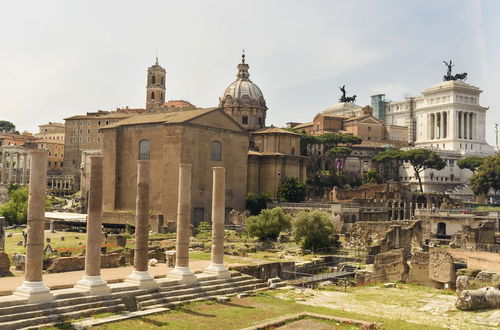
pixel 170 117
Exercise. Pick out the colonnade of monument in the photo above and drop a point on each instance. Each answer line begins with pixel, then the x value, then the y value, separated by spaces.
pixel 33 287
pixel 14 166
pixel 464 123
pixel 60 183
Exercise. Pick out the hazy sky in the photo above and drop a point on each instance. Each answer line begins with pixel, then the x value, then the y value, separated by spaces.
pixel 62 58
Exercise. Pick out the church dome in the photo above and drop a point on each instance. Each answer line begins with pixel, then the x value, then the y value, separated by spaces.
pixel 242 91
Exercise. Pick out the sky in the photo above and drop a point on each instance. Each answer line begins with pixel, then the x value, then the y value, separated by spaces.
pixel 63 58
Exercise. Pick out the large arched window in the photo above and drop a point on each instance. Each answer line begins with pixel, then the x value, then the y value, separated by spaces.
pixel 144 149
pixel 153 79
pixel 152 96
pixel 216 154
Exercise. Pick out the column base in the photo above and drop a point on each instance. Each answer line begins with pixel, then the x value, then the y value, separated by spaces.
pixel 217 269
pixel 35 292
pixel 95 285
pixel 142 279
pixel 182 274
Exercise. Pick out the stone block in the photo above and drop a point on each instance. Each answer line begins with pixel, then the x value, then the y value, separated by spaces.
pixel 488 276
pixel 19 261
pixel 390 266
pixel 117 240
pixel 462 283
pixel 441 268
pixel 4 263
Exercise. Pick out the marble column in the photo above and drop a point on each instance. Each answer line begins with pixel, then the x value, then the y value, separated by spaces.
pixel 216 265
pixel 33 288
pixel 465 125
pixel 92 281
pixel 181 270
pixel 140 275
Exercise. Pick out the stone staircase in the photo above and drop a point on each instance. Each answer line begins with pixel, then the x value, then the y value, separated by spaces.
pixel 171 295
pixel 70 304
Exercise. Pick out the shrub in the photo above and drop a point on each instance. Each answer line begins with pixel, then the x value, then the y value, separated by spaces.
pixel 15 210
pixel 372 176
pixel 256 203
pixel 292 190
pixel 268 224
pixel 313 230
pixel 204 230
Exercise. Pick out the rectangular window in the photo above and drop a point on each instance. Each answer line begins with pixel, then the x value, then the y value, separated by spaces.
pixel 81 122
pixel 88 122
pixel 80 139
pixel 73 139
pixel 107 122
pixel 88 138
pixel 88 131
pixel 244 120
pixel 216 154
pixel 99 123
pixel 74 131
pixel 98 139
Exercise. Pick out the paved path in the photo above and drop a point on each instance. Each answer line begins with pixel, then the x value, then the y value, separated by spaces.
pixel 68 279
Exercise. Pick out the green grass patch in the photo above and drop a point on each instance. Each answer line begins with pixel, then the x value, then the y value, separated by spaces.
pixel 240 313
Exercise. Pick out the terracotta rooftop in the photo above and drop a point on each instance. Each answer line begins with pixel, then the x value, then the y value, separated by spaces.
pixel 303 125
pixel 102 114
pixel 272 129
pixel 170 117
pixel 177 104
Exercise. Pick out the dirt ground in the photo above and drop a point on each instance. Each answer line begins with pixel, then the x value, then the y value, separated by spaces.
pixel 411 303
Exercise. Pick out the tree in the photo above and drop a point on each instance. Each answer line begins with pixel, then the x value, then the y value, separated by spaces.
pixel 313 230
pixel 7 127
pixel 268 224
pixel 292 190
pixel 256 203
pixel 470 163
pixel 391 158
pixel 372 177
pixel 421 159
pixel 487 176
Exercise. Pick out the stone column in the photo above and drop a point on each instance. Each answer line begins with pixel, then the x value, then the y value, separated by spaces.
pixel 218 212
pixel 92 281
pixel 393 210
pixel 11 167
pixel 181 271
pixel 33 288
pixel 18 167
pixel 25 167
pixel 140 275
pixel 398 210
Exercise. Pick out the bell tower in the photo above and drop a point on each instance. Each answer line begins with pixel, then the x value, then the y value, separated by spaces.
pixel 155 88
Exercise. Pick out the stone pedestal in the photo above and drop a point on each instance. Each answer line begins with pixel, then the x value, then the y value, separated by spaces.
pixel 140 275
pixel 92 281
pixel 216 266
pixel 181 271
pixel 33 288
